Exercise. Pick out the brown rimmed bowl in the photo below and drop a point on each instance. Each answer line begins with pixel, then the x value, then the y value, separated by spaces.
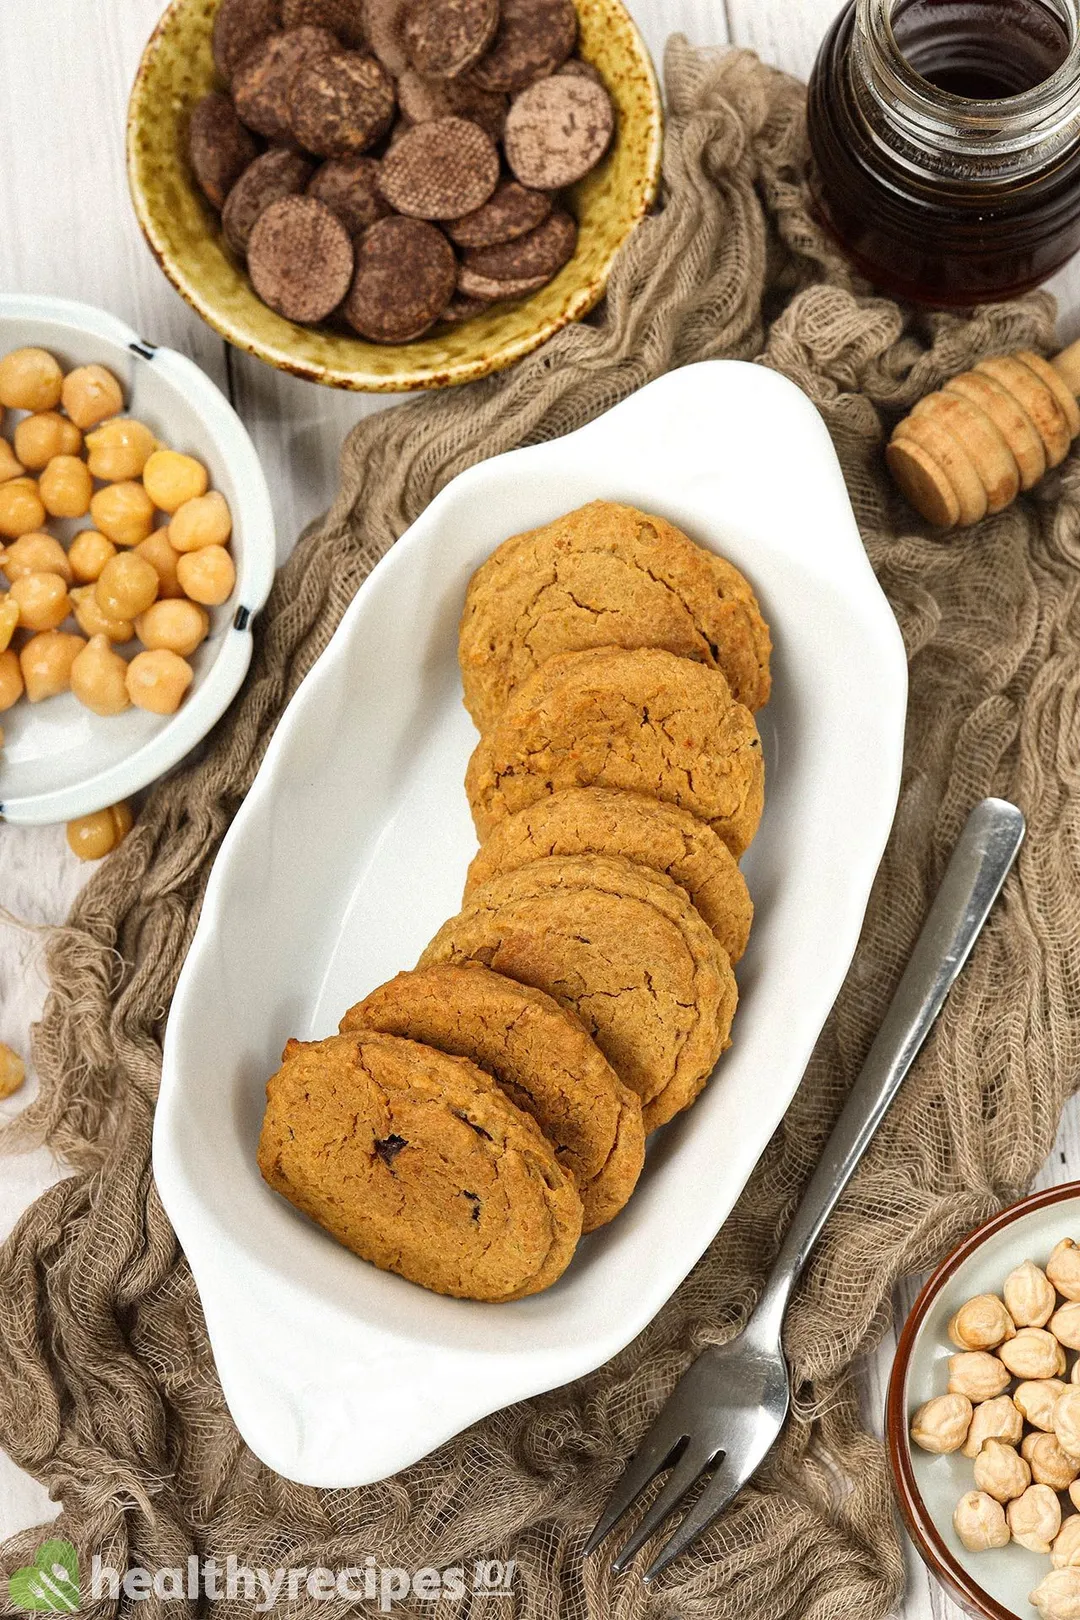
pixel 990 1585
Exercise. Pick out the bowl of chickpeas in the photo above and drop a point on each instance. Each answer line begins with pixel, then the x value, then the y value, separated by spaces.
pixel 983 1414
pixel 136 548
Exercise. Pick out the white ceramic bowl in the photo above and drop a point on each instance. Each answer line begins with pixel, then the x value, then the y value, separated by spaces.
pixel 351 849
pixel 59 760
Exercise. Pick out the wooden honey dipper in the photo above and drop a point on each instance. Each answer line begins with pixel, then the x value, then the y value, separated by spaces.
pixel 970 449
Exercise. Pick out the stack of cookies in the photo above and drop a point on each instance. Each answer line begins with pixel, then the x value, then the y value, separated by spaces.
pixel 392 163
pixel 475 1115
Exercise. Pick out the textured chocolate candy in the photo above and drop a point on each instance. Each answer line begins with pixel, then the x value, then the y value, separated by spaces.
pixel 533 38
pixel 509 212
pixel 239 25
pixel 340 105
pixel 557 130
pixel 577 66
pixel 422 99
pixel 540 252
pixel 463 308
pixel 493 290
pixel 276 174
pixel 405 274
pixel 342 17
pixel 384 24
pixel 440 170
pixel 264 79
pixel 444 37
pixel 300 259
pixel 350 189
pixel 219 146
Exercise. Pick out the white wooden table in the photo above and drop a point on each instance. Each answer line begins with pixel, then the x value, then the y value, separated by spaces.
pixel 66 228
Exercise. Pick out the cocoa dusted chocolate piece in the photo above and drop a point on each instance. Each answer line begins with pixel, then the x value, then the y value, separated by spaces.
pixel 276 174
pixel 534 37
pixel 239 26
pixel 493 290
pixel 440 170
pixel 262 82
pixel 344 18
pixel 557 130
pixel 444 37
pixel 577 66
pixel 422 99
pixel 341 105
pixel 300 259
pixel 405 274
pixel 541 252
pixel 219 147
pixel 350 189
pixel 463 308
pixel 384 24
pixel 509 212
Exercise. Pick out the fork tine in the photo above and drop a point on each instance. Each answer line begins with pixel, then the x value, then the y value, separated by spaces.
pixel 652 1454
pixel 689 1467
pixel 725 1484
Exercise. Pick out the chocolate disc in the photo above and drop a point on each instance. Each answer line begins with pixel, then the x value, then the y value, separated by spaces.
pixel 239 25
pixel 422 99
pixel 344 18
pixel 444 37
pixel 557 130
pixel 473 285
pixel 219 146
pixel 541 252
pixel 509 212
pixel 384 23
pixel 300 259
pixel 440 170
pixel 533 38
pixel 341 105
pixel 405 274
pixel 582 69
pixel 463 308
pixel 262 82
pixel 350 189
pixel 278 173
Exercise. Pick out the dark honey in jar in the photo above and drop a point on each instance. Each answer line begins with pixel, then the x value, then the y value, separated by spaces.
pixel 945 143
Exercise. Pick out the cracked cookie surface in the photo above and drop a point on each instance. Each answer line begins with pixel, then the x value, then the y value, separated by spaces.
pixel 642 721
pixel 597 821
pixel 606 575
pixel 540 1054
pixel 420 1163
pixel 621 947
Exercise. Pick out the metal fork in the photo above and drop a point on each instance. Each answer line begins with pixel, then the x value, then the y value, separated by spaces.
pixel 728 1408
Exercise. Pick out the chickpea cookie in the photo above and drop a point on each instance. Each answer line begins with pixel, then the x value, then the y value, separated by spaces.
pixel 620 946
pixel 350 189
pixel 510 212
pixel 340 105
pixel 540 252
pixel 422 99
pixel 420 1163
pixel 540 1054
pixel 642 721
pixel 595 821
pixel 300 259
pixel 533 38
pixel 405 274
pixel 219 147
pixel 557 130
pixel 262 84
pixel 276 174
pixel 384 25
pixel 343 18
pixel 440 169
pixel 606 575
pixel 239 25
pixel 444 37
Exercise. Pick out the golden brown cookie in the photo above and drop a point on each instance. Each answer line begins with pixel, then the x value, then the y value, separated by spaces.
pixel 541 1055
pixel 597 821
pixel 620 946
pixel 606 575
pixel 420 1163
pixel 643 721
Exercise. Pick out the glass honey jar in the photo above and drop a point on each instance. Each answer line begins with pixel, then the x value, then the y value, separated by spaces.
pixel 945 143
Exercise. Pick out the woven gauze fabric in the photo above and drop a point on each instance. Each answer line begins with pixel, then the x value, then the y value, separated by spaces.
pixel 107 1387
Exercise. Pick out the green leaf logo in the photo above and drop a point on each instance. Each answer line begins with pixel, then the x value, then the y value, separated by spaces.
pixel 50 1583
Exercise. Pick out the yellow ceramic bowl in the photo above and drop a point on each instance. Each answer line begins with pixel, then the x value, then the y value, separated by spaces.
pixel 183 230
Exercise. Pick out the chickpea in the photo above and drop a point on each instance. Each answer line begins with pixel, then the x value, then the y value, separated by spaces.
pixel 980 1522
pixel 996 1419
pixel 1057 1596
pixel 124 513
pixel 11 681
pixel 36 554
pixel 207 576
pixel 1028 1295
pixel 92 622
pixel 88 554
pixel 30 380
pixel 157 680
pixel 173 479
pixel 90 394
pixel 126 586
pixel 43 601
pixel 942 1424
pixel 1049 1464
pixel 1074 1494
pixel 12 1071
pixel 46 662
pixel 21 508
pixel 65 487
pixel 178 626
pixel 1065 1324
pixel 1063 1269
pixel 1034 1519
pixel 978 1375
pixel 9 621
pixel 47 434
pixel 1001 1472
pixel 1066 1549
pixel 157 550
pixel 204 521
pixel 99 678
pixel 1036 1399
pixel 982 1324
pixel 1033 1353
pixel 9 466
pixel 1067 1421
pixel 119 449
pixel 91 837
